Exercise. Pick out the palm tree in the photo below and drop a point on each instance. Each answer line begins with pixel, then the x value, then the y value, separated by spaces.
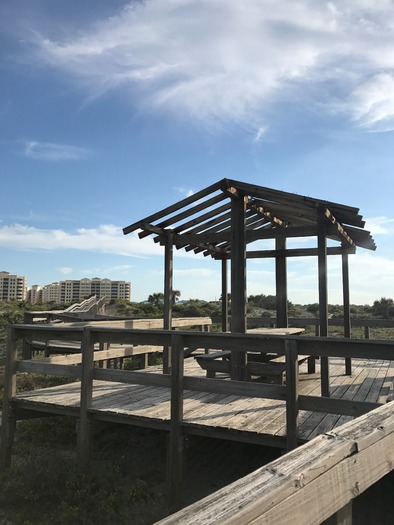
pixel 156 298
pixel 175 296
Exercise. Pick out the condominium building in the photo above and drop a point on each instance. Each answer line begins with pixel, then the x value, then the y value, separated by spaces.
pixel 51 293
pixel 12 287
pixel 34 294
pixel 77 290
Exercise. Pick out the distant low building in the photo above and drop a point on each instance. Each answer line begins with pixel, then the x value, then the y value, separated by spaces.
pixel 75 290
pixel 12 287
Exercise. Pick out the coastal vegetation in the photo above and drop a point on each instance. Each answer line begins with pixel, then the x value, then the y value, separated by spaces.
pixel 44 485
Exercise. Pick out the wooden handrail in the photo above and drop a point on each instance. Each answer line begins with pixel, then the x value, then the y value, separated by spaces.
pixel 341 465
pixel 180 341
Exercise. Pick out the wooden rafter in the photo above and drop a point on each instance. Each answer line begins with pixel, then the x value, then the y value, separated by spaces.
pixel 202 222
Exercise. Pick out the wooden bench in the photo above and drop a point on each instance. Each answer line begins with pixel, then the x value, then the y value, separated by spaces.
pixel 272 370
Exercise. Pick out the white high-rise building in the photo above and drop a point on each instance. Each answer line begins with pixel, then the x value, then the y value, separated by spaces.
pixel 12 287
pixel 77 290
pixel 51 293
pixel 34 294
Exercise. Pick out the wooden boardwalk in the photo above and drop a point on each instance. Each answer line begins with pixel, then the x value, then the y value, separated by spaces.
pixel 249 419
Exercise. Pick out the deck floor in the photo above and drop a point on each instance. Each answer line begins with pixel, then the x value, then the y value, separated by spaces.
pixel 254 418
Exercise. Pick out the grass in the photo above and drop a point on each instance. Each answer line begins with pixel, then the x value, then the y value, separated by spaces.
pixel 125 484
pixel 44 486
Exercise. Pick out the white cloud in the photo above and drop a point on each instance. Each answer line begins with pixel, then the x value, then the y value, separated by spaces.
pixel 380 225
pixel 106 238
pixel 54 152
pixel 221 63
pixel 186 192
pixel 372 103
pixel 195 272
pixel 65 270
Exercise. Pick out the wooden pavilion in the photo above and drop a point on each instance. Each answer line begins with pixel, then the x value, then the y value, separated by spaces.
pixel 224 220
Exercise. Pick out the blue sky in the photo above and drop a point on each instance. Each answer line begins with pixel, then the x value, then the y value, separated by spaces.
pixel 110 111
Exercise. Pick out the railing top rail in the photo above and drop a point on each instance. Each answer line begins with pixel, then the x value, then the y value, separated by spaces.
pixel 338 460
pixel 314 346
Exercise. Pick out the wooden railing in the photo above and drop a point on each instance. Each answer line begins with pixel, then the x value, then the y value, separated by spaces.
pixel 315 483
pixel 182 343
pixel 366 324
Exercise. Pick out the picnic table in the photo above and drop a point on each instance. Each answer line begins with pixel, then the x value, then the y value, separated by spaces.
pixel 262 366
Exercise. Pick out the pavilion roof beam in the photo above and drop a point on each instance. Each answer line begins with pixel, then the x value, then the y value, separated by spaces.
pixel 251 224
pixel 251 235
pixel 265 212
pixel 297 252
pixel 223 226
pixel 174 207
pixel 204 219
pixel 188 212
pixel 286 198
pixel 200 225
pixel 341 231
pixel 362 238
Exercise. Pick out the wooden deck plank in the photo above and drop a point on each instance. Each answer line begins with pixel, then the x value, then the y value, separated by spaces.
pixel 369 381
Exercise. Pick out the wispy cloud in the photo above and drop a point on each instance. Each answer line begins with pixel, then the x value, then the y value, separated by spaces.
pixel 221 63
pixel 185 192
pixel 65 270
pixel 106 238
pixel 380 225
pixel 54 152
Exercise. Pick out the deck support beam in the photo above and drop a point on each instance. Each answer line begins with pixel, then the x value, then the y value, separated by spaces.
pixel 84 423
pixel 168 298
pixel 176 438
pixel 8 423
pixel 238 282
pixel 292 408
pixel 346 307
pixel 224 296
pixel 323 297
pixel 281 283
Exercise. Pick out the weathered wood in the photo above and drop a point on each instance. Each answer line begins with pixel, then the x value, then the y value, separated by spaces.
pixel 335 406
pixel 175 207
pixel 290 488
pixel 346 306
pixel 323 296
pixel 168 298
pixel 175 466
pixel 292 405
pixel 224 296
pixel 293 252
pixel 238 282
pixel 36 367
pixel 132 377
pixel 241 388
pixel 8 417
pixel 84 426
pixel 281 283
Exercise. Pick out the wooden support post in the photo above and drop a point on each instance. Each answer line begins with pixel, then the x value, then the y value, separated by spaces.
pixel 342 517
pixel 168 298
pixel 84 425
pixel 8 423
pixel 367 331
pixel 323 298
pixel 346 307
pixel 291 394
pixel 224 296
pixel 176 442
pixel 281 283
pixel 238 282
